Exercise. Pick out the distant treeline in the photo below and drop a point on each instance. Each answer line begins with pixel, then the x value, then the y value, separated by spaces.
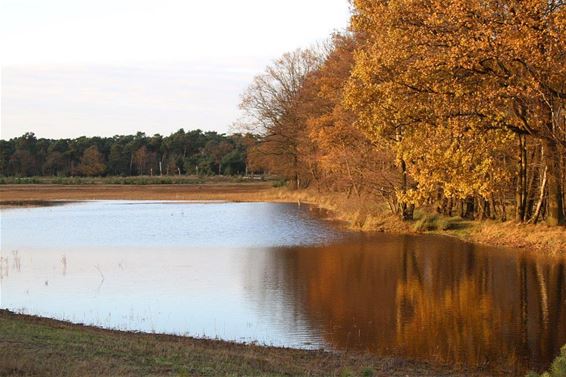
pixel 458 106
pixel 182 153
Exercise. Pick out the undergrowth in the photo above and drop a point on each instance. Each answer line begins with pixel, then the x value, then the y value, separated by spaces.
pixel 428 222
pixel 557 368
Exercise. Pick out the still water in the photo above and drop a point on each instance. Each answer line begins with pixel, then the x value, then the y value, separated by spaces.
pixel 279 274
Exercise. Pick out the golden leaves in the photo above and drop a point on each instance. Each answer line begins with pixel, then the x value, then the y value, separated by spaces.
pixel 451 82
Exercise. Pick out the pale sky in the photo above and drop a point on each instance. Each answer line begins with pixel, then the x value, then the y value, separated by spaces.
pixel 106 67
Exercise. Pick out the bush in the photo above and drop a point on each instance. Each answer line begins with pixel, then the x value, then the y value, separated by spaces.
pixel 427 223
pixel 280 183
pixel 430 222
pixel 557 368
pixel 450 223
pixel 368 372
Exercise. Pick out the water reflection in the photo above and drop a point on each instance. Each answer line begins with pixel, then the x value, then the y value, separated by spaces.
pixel 429 298
pixel 220 270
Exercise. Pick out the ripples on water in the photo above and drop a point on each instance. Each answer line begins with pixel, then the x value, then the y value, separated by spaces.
pixel 277 274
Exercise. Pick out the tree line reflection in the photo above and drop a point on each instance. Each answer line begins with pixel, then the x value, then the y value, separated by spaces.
pixel 432 298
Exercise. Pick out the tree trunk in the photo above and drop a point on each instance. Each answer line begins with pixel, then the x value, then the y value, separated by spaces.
pixel 503 208
pixel 493 206
pixel 406 209
pixel 468 208
pixel 534 178
pixel 555 215
pixel 449 206
pixel 536 213
pixel 353 184
pixel 521 186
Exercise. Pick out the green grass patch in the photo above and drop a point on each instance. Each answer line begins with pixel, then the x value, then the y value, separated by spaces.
pixel 31 346
pixel 557 368
pixel 131 180
pixel 431 222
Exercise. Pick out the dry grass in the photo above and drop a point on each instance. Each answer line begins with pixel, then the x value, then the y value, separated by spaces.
pixel 31 346
pixel 209 191
pixel 367 214
pixel 358 213
pixel 551 240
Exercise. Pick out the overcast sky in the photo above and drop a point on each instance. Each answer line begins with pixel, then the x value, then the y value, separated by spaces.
pixel 106 67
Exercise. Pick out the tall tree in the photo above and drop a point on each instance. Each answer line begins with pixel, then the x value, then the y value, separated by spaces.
pixel 481 73
pixel 272 107
pixel 92 163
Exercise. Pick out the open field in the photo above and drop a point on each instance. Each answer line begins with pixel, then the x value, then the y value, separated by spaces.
pixel 21 193
pixel 32 346
pixel 129 180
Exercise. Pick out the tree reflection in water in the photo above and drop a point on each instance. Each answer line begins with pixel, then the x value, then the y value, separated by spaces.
pixel 431 298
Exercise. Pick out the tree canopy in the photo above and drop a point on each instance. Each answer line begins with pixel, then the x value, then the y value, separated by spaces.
pixel 458 106
pixel 191 152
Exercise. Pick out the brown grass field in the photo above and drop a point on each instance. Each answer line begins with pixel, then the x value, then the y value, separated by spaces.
pixel 208 191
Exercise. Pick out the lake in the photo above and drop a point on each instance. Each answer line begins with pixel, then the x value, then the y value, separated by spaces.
pixel 280 274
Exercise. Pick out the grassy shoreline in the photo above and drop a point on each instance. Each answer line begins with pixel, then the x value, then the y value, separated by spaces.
pixel 34 346
pixel 363 214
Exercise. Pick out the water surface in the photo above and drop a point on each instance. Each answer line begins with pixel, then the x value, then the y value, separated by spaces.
pixel 279 274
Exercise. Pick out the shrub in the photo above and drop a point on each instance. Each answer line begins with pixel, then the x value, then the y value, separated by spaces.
pixel 427 222
pixel 279 183
pixel 368 372
pixel 450 223
pixel 557 368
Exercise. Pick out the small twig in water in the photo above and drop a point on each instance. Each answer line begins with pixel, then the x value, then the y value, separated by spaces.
pixel 100 272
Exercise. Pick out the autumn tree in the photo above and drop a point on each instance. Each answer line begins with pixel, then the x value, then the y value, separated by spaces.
pixel 349 161
pixel 371 94
pixel 272 109
pixel 471 78
pixel 140 159
pixel 92 163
